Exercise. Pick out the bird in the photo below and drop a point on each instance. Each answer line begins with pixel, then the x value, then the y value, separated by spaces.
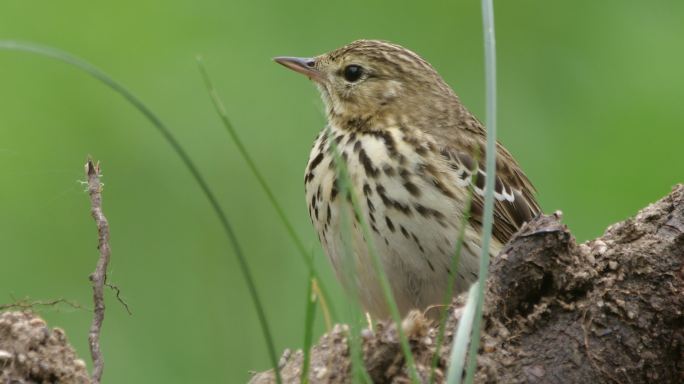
pixel 414 159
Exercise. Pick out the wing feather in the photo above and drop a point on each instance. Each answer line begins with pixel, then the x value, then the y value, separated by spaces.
pixel 514 200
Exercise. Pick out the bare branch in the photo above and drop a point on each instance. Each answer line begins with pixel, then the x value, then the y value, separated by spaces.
pixel 98 278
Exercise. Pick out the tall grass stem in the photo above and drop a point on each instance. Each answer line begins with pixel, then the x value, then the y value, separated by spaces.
pixel 221 110
pixel 460 344
pixel 308 328
pixel 449 294
pixel 490 177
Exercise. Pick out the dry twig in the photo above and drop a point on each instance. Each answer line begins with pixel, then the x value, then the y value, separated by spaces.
pixel 98 278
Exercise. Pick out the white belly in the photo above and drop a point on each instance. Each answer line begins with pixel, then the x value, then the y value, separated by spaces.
pixel 412 216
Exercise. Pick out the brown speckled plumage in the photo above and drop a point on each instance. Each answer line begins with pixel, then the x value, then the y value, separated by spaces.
pixel 412 151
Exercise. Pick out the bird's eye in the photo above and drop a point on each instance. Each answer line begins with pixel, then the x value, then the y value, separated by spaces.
pixel 352 73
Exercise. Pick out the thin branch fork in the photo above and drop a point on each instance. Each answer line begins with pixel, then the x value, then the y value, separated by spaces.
pixel 98 278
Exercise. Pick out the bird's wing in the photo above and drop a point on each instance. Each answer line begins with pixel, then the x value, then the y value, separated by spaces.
pixel 514 200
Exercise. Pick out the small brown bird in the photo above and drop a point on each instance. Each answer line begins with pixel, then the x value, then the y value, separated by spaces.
pixel 412 152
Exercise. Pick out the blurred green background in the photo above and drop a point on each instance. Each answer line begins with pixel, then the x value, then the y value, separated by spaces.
pixel 590 104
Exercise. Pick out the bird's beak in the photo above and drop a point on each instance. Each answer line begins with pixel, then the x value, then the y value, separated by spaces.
pixel 303 65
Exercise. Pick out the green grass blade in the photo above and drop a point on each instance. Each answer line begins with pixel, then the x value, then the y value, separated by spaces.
pixel 359 372
pixel 490 170
pixel 308 329
pixel 185 158
pixel 449 294
pixel 375 258
pixel 462 338
pixel 221 110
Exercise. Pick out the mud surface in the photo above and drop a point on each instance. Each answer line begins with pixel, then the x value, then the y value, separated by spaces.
pixel 30 352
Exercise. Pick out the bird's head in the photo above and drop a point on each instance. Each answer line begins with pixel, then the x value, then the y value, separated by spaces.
pixel 374 80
